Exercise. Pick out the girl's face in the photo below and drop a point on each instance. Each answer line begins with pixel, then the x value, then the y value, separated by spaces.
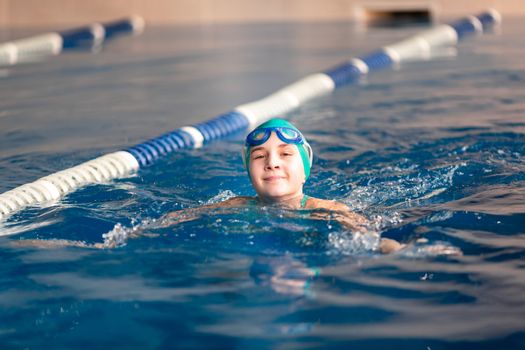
pixel 276 170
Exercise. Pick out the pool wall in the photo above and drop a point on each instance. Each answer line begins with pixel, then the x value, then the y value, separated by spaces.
pixel 60 13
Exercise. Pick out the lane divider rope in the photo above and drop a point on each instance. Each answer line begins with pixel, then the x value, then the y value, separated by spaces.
pixel 124 163
pixel 50 44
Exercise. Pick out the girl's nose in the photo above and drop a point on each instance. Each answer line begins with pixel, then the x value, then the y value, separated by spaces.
pixel 272 162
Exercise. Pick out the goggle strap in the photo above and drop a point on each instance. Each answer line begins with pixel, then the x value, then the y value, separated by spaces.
pixel 309 152
pixel 245 157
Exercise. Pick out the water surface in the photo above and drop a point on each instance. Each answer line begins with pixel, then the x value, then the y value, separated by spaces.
pixel 431 153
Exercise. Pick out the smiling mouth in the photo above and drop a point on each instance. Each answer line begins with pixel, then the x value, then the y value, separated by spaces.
pixel 273 178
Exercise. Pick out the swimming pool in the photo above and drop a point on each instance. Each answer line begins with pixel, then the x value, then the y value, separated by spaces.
pixel 434 151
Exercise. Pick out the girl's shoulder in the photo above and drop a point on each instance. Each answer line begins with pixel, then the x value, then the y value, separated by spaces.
pixel 337 209
pixel 332 205
pixel 240 201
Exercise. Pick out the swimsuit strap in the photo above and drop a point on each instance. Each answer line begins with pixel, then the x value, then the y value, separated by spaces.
pixel 303 201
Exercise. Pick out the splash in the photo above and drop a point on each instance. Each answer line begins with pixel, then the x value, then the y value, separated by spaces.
pixel 412 188
pixel 423 250
pixel 379 222
pixel 351 243
pixel 119 235
pixel 222 196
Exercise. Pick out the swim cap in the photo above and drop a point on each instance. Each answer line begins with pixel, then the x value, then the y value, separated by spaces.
pixel 304 148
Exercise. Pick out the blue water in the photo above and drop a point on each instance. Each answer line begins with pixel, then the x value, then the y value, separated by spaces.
pixel 432 153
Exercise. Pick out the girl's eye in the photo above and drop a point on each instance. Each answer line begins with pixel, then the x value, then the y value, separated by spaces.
pixel 257 156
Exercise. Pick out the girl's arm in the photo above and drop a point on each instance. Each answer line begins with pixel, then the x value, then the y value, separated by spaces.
pixel 169 219
pixel 353 221
pixel 333 210
pixel 184 215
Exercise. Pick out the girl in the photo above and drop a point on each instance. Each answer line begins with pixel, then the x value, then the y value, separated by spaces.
pixel 278 159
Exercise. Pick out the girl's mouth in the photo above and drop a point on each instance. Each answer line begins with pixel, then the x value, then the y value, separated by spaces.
pixel 273 178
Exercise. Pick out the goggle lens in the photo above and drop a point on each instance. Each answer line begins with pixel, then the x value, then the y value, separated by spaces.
pixel 289 134
pixel 258 135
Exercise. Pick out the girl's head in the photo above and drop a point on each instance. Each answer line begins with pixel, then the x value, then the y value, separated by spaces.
pixel 278 160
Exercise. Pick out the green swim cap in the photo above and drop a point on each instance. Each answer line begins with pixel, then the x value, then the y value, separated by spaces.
pixel 302 145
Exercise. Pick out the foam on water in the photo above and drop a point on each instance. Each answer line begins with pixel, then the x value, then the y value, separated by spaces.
pixel 117 237
pixel 348 243
pixel 221 196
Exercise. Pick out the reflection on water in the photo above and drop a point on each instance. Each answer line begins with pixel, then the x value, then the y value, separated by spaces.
pixel 432 155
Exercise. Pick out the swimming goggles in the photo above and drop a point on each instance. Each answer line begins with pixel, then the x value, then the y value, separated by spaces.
pixel 288 135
